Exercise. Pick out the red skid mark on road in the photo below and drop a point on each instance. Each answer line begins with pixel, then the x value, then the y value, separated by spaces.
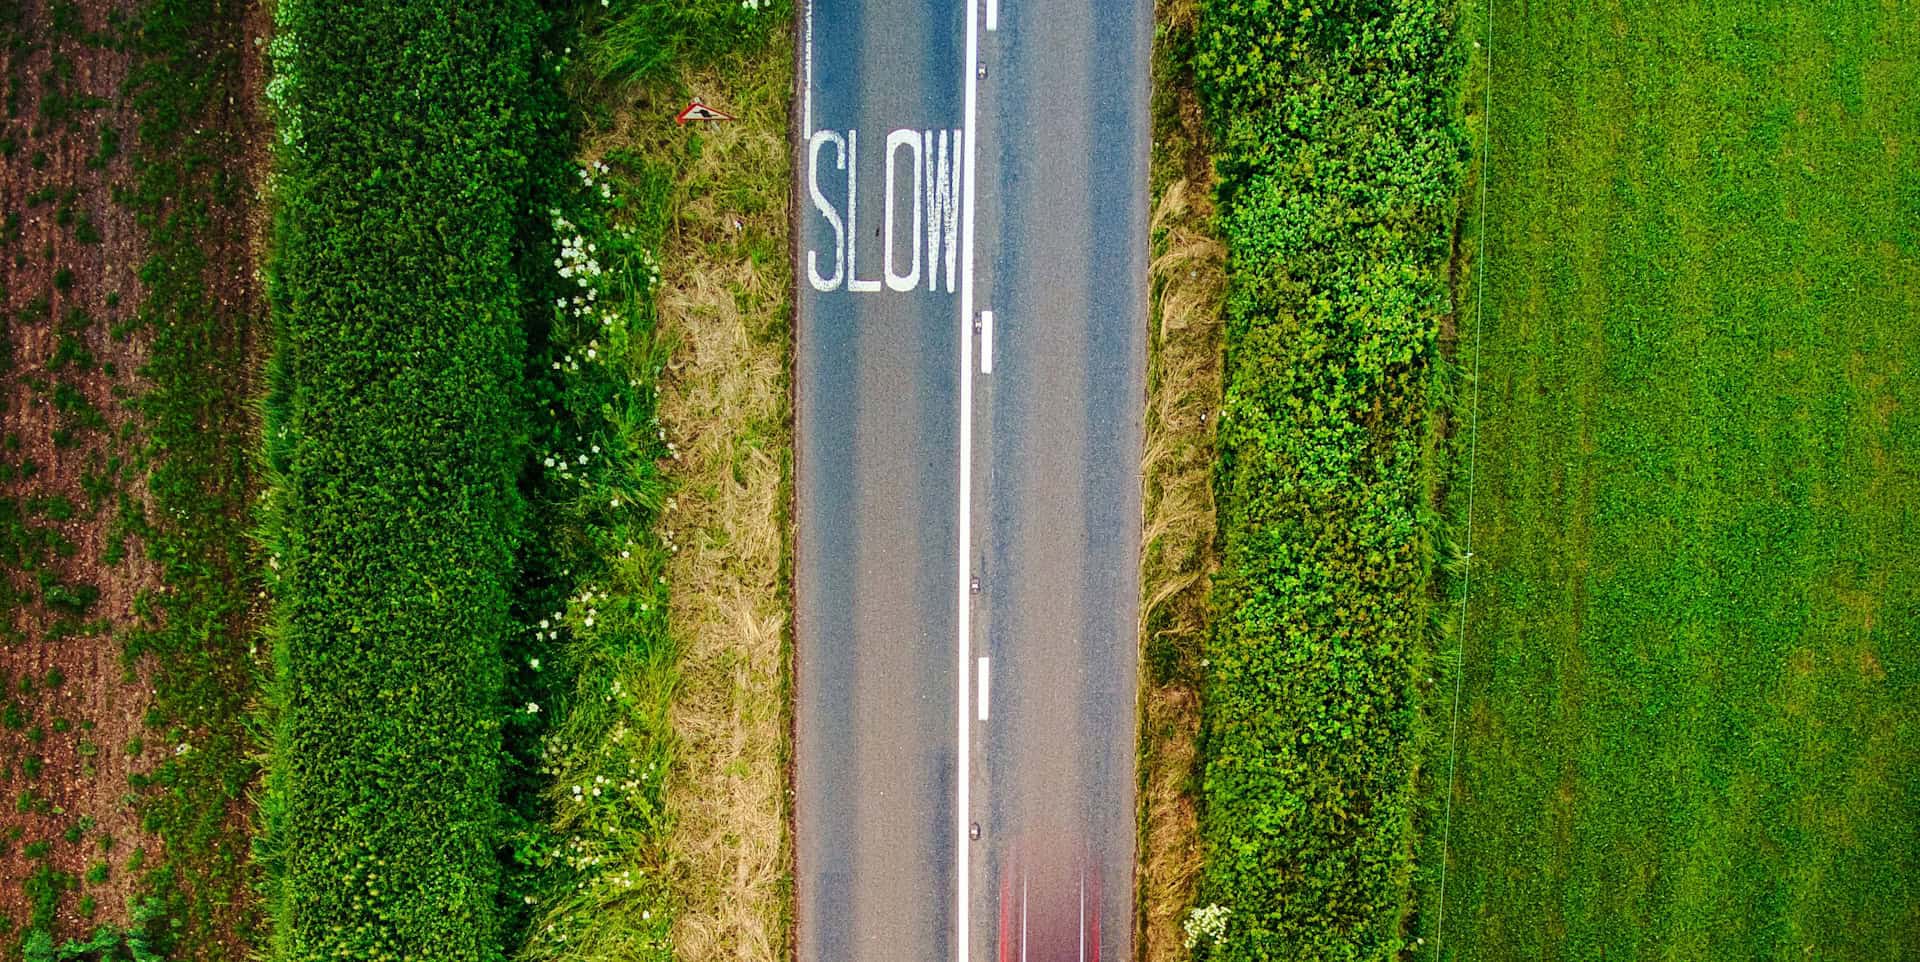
pixel 1093 905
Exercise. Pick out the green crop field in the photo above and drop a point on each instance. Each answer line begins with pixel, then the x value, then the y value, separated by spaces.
pixel 1690 726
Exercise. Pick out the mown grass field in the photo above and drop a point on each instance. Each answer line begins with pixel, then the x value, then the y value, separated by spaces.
pixel 1691 723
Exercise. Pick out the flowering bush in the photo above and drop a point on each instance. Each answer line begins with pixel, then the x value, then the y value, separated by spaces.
pixel 1206 923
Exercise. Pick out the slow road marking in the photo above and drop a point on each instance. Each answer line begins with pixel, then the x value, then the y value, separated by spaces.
pixel 920 220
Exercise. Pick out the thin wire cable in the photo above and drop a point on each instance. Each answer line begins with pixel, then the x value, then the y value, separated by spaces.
pixel 1473 453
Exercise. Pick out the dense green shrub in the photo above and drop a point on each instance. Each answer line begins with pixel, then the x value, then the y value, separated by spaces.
pixel 1340 154
pixel 394 440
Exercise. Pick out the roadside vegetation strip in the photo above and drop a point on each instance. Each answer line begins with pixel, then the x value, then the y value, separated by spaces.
pixel 726 310
pixel 632 849
pixel 1340 154
pixel 393 438
pixel 1688 727
pixel 595 868
pixel 1183 399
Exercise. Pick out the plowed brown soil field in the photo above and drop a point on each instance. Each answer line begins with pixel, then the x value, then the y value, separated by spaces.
pixel 78 721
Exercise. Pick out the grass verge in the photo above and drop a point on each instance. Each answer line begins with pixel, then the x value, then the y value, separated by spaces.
pixel 1689 727
pixel 597 668
pixel 726 310
pixel 1183 399
pixel 696 866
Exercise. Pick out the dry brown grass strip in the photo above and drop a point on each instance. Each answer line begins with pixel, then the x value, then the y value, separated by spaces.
pixel 1183 395
pixel 1188 280
pixel 724 308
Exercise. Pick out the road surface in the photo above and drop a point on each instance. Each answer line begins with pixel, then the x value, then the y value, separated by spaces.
pixel 969 382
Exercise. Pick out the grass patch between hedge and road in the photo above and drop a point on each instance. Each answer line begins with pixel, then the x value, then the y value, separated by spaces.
pixel 1188 281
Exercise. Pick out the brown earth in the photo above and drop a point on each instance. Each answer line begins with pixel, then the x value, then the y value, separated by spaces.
pixel 100 698
pixel 55 52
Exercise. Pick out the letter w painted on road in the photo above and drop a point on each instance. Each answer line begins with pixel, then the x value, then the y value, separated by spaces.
pixel 925 161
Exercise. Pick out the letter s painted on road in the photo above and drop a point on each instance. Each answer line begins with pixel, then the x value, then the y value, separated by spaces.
pixel 826 210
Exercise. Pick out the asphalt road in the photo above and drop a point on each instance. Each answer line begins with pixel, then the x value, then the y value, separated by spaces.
pixel 968 487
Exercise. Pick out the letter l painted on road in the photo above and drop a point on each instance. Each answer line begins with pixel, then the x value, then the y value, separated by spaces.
pixel 854 283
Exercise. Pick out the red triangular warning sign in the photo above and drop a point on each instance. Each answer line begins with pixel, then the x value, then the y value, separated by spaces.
pixel 699 111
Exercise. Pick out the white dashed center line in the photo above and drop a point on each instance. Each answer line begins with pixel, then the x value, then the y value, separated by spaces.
pixel 983 688
pixel 986 342
pixel 963 641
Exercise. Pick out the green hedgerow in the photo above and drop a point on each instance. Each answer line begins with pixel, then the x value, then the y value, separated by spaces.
pixel 393 440
pixel 1340 155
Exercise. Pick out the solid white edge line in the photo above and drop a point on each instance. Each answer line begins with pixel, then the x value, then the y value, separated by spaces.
pixel 1023 918
pixel 963 865
pixel 993 14
pixel 986 342
pixel 983 693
